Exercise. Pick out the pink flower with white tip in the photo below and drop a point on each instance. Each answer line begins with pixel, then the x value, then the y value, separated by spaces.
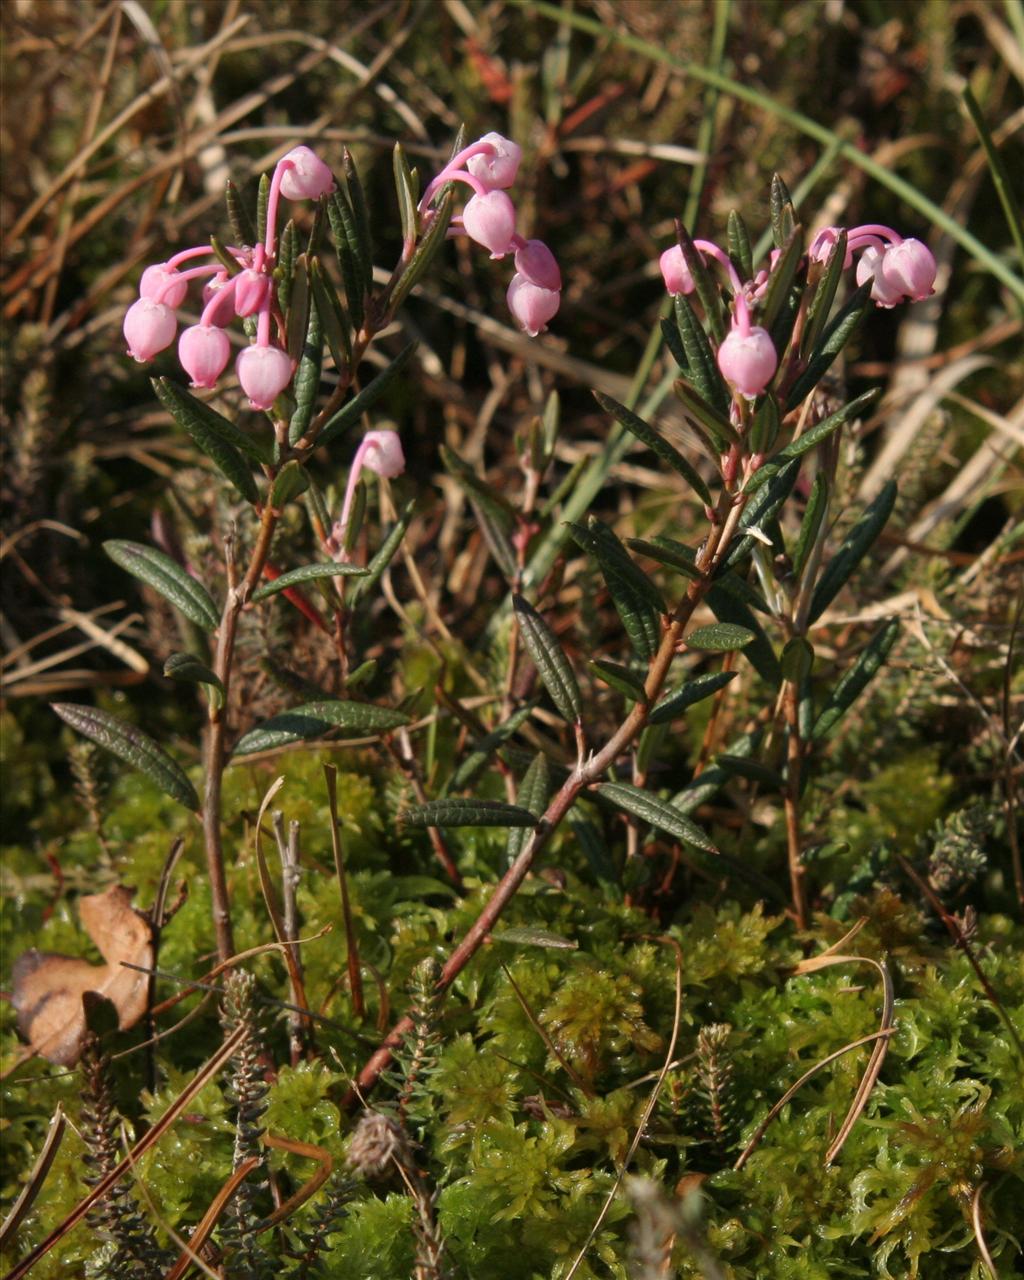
pixel 747 360
pixel 304 175
pixel 499 166
pixel 490 219
pixel 380 452
pixel 149 327
pixel 532 306
pixel 204 351
pixel 675 272
pixel 263 372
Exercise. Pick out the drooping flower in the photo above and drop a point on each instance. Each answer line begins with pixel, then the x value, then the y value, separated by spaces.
pixel 164 284
pixel 498 167
pixel 869 267
pixel 536 263
pixel 263 372
pixel 675 272
pixel 910 267
pixel 251 289
pixel 380 452
pixel 747 360
pixel 531 305
pixel 304 175
pixel 149 327
pixel 204 351
pixel 490 220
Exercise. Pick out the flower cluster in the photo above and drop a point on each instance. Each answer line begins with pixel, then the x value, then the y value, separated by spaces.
pixel 489 167
pixel 899 270
pixel 264 369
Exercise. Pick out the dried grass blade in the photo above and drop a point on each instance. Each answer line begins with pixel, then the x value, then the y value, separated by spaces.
pixel 25 1201
pixel 190 1255
pixel 308 1188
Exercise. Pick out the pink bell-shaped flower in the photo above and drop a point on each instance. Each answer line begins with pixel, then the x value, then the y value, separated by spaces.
pixel 499 167
pixel 747 360
pixel 204 351
pixel 821 246
pixel 675 272
pixel 531 305
pixel 263 372
pixel 536 263
pixel 251 289
pixel 869 267
pixel 307 177
pixel 148 328
pixel 382 453
pixel 909 267
pixel 490 220
pixel 163 284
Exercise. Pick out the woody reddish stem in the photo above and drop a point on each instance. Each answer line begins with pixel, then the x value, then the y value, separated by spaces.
pixel 794 761
pixel 586 773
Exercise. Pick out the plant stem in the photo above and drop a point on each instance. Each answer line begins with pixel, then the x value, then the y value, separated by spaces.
pixel 794 760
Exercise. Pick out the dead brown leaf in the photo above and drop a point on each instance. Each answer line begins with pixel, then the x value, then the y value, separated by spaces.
pixel 47 988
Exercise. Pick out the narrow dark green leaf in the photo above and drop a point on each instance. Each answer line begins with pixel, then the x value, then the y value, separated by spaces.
pixel 184 407
pixel 616 560
pixel 339 215
pixel 332 316
pixel 455 812
pixel 133 747
pixel 168 577
pixel 765 428
pixel 650 437
pixel 823 429
pixel 667 552
pixel 752 770
pixel 350 413
pixel 404 192
pixel 637 601
pixel 700 359
pixel 316 231
pixel 306 383
pixel 762 509
pixel 284 272
pixel 729 607
pixel 549 659
pixel 493 511
pixel 627 682
pixel 797 660
pixel 704 283
pixel 532 796
pixel 780 281
pixel 375 569
pixel 658 813
pixel 739 245
pixel 242 230
pixel 483 750
pixel 314 719
pixel 307 573
pixel 297 319
pixel 824 293
pixel 364 243
pixel 188 669
pixel 291 480
pixel 356 515
pixel 363 674
pixel 227 260
pixel 835 337
pixel 704 419
pixel 817 505
pixel 695 690
pixel 857 679
pixel 534 938
pixel 854 548
pixel 262 201
pixel 427 249
pixel 781 212
pixel 719 637
pixel 213 441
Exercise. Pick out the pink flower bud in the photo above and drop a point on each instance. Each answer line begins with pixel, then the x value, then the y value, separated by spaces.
pixel 251 289
pixel 264 372
pixel 383 453
pixel 821 246
pixel 909 267
pixel 149 327
pixel 307 178
pixel 675 272
pixel 499 167
pixel 214 285
pixel 870 268
pixel 531 306
pixel 748 360
pixel 536 263
pixel 490 220
pixel 163 284
pixel 204 351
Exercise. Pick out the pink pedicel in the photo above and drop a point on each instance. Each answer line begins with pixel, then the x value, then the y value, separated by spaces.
pixel 251 289
pixel 490 220
pixel 535 262
pixel 164 284
pixel 675 272
pixel 204 351
pixel 747 360
pixel 498 167
pixel 531 305
pixel 304 175
pixel 910 267
pixel 149 328
pixel 263 372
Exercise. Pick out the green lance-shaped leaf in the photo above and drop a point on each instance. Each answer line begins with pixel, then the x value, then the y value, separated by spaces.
pixel 781 212
pixel 132 746
pixel 475 763
pixel 340 216
pixel 242 230
pixel 752 770
pixel 762 509
pixel 695 690
pixel 780 281
pixel 715 430
pixel 856 680
pixel 674 342
pixel 184 407
pixel 284 272
pixel 308 573
pixel 811 438
pixel 854 548
pixel 227 260
pixel 765 428
pixel 814 513
pixel 350 413
pixel 455 812
pixel 659 813
pixel 719 637
pixel 405 192
pixel 532 796
pixel 299 306
pixel 647 434
pixel 797 660
pixel 426 250
pixel 700 359
pixel 314 719
pixel 530 937
pixel 824 293
pixel 291 481
pixel 637 600
pixel 332 315
pixel 214 442
pixel 306 383
pixel 361 216
pixel 493 512
pixel 729 607
pixel 188 669
pixel 376 568
pixel 549 659
pixel 835 337
pixel 669 552
pixel 262 205
pixel 738 240
pixel 626 681
pixel 168 577
pixel 316 231
pixel 707 289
